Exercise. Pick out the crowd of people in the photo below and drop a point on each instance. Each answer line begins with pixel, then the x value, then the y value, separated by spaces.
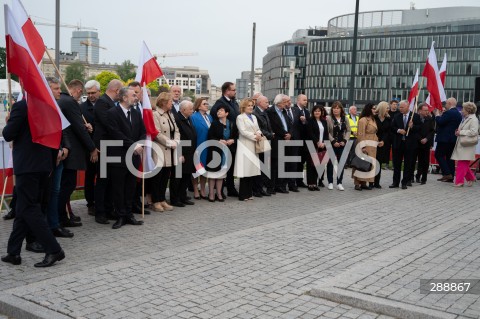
pixel 198 148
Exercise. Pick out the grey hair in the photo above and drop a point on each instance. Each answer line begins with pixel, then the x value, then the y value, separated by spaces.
pixel 123 92
pixel 403 101
pixel 52 80
pixel 91 84
pixel 469 107
pixel 278 99
pixel 184 104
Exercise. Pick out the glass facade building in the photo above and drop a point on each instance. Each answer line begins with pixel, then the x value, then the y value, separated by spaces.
pixel 391 45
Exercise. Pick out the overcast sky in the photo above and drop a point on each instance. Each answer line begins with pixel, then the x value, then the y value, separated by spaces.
pixel 219 31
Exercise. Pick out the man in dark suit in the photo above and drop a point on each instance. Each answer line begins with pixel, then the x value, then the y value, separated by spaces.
pixel 427 131
pixel 187 134
pixel 447 122
pixel 103 195
pixel 32 164
pixel 176 92
pixel 92 88
pixel 405 127
pixel 293 115
pixel 301 105
pixel 266 128
pixel 393 110
pixel 281 129
pixel 228 98
pixel 80 142
pixel 126 125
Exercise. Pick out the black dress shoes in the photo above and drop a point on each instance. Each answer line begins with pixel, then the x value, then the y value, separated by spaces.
pixel 119 223
pixel 271 191
pixel 423 182
pixel 50 259
pixel 302 185
pixel 404 186
pixel 377 186
pixel 264 193
pixel 257 194
pixel 132 221
pixel 10 215
pixel 188 202
pixel 178 204
pixel 281 190
pixel 102 220
pixel 409 184
pixel 12 259
pixel 294 189
pixel 393 186
pixel 35 247
pixel 62 232
pixel 75 218
pixel 71 223
pixel 232 192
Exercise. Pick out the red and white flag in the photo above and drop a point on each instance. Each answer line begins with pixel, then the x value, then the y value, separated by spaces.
pixel 413 92
pixel 34 40
pixel 45 119
pixel 434 84
pixel 148 69
pixel 150 128
pixel 443 76
pixel 8 169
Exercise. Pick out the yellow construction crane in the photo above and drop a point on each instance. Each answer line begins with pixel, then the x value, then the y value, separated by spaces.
pixel 87 44
pixel 173 55
pixel 63 25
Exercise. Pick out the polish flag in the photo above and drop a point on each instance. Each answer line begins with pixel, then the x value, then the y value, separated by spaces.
pixel 443 76
pixel 413 92
pixel 151 130
pixel 434 84
pixel 148 69
pixel 9 167
pixel 34 40
pixel 45 119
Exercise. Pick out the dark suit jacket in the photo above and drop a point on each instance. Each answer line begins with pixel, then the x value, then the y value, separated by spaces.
pixel 263 122
pixel 88 112
pixel 80 140
pixel 297 125
pixel 232 104
pixel 413 135
pixel 187 133
pixel 121 130
pixel 447 124
pixel 384 134
pixel 313 131
pixel 103 104
pixel 427 130
pixel 277 128
pixel 28 157
pixel 303 127
pixel 215 132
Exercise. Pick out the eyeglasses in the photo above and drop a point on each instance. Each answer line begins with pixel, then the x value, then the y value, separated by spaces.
pixel 232 90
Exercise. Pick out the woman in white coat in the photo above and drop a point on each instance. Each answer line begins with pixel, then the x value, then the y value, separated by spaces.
pixel 247 163
pixel 468 130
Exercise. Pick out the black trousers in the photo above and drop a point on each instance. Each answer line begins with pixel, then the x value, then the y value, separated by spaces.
pixel 402 153
pixel 443 153
pixel 276 180
pixel 174 185
pixel 180 190
pixel 246 188
pixel 338 153
pixel 230 180
pixel 31 190
pixel 159 184
pixel 67 186
pixel 423 158
pixel 123 188
pixel 293 167
pixel 103 194
pixel 89 189
pixel 303 152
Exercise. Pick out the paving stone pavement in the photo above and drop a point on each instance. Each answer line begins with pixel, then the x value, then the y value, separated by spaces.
pixel 260 259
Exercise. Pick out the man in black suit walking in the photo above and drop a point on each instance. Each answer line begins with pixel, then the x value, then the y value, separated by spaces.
pixel 32 164
pixel 281 129
pixel 427 131
pixel 405 127
pixel 103 195
pixel 126 125
pixel 229 93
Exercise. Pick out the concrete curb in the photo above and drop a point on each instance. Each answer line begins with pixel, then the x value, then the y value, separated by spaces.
pixel 379 305
pixel 16 307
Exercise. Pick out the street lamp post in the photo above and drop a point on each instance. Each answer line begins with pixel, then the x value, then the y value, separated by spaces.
pixel 351 93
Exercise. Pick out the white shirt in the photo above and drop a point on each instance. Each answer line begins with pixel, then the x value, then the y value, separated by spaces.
pixel 125 110
pixel 322 129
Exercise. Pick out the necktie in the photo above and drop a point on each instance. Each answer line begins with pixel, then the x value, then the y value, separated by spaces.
pixel 290 116
pixel 129 118
pixel 405 118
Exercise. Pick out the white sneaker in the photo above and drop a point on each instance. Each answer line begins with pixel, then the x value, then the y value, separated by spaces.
pixel 330 186
pixel 340 187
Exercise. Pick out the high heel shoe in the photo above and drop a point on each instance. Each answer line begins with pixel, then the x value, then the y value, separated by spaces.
pixel 457 185
pixel 470 183
pixel 211 200
pixel 217 198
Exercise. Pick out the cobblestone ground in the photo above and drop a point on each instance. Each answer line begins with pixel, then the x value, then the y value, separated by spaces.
pixel 261 259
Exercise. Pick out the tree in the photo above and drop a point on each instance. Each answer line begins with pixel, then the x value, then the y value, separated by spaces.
pixel 190 94
pixel 3 62
pixel 126 70
pixel 154 87
pixel 104 78
pixel 76 70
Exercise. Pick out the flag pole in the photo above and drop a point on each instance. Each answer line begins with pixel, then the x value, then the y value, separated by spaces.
pixel 61 78
pixel 166 82
pixel 416 103
pixel 3 192
pixel 143 182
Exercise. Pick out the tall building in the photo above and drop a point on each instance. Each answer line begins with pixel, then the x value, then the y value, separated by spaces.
pixel 243 85
pixel 274 78
pixel 87 44
pixel 189 78
pixel 391 46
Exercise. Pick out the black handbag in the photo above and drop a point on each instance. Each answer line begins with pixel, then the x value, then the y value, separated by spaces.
pixel 361 164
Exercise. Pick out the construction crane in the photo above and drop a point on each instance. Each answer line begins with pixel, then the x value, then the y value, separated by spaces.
pixel 173 55
pixel 87 44
pixel 63 25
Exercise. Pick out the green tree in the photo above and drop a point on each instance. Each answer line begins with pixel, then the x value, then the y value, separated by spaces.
pixel 190 94
pixel 154 87
pixel 126 70
pixel 3 62
pixel 76 70
pixel 104 78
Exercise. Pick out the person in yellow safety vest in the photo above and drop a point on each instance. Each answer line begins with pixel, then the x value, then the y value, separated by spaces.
pixel 353 121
